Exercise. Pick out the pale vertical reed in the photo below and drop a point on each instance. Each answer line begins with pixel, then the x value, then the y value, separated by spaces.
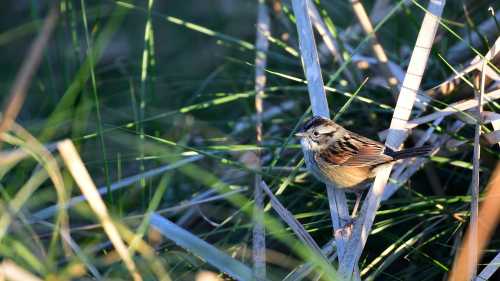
pixel 262 45
pixel 397 134
pixel 310 62
pixel 145 84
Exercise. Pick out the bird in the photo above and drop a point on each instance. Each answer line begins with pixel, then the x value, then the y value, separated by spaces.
pixel 335 155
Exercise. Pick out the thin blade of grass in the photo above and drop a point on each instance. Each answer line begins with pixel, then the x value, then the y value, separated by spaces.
pixel 390 254
pixel 323 31
pixel 305 269
pixel 475 64
pixel 145 85
pixel 489 216
pixel 470 263
pixel 28 69
pixel 38 151
pixel 349 101
pixel 82 256
pixel 16 249
pixel 327 37
pixel 190 25
pixel 10 35
pixel 473 226
pixel 207 252
pixel 61 112
pixel 453 108
pixel 357 49
pixel 288 217
pixel 377 48
pixel 22 196
pixel 459 51
pixel 89 190
pixel 97 104
pixel 184 110
pixel 8 158
pixel 152 207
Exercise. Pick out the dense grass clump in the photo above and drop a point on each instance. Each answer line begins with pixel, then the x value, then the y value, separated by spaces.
pixel 153 140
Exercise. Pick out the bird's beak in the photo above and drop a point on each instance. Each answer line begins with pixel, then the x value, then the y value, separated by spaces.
pixel 300 134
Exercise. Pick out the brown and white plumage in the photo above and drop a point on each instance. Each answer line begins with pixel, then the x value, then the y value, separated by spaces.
pixel 336 155
pixel 346 159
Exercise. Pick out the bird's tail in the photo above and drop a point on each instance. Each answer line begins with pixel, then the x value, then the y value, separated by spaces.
pixel 410 152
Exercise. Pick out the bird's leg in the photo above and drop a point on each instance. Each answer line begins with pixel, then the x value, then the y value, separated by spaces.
pixel 347 228
pixel 359 194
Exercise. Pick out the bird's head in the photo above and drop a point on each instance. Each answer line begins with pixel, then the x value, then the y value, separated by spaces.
pixel 318 132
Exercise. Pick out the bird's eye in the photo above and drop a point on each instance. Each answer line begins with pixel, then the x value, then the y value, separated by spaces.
pixel 315 133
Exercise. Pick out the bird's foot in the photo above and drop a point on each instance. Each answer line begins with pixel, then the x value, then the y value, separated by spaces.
pixel 346 229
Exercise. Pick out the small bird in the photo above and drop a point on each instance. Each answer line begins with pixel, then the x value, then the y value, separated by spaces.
pixel 336 155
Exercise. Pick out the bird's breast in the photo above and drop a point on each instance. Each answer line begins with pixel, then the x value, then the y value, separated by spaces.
pixel 345 176
pixel 342 176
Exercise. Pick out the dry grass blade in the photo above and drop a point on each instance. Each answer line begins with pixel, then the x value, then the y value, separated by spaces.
pixel 379 11
pixel 262 45
pixel 453 108
pixel 377 48
pixel 296 227
pixel 494 119
pixel 89 190
pixel 489 216
pixel 472 262
pixel 16 203
pixel 11 271
pixel 32 146
pixel 397 133
pixel 28 69
pixel 475 64
pixel 195 245
pixel 323 31
pixel 327 37
pixel 319 104
pixel 473 227
pixel 11 157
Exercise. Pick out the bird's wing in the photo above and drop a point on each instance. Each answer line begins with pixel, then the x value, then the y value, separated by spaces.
pixel 355 151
